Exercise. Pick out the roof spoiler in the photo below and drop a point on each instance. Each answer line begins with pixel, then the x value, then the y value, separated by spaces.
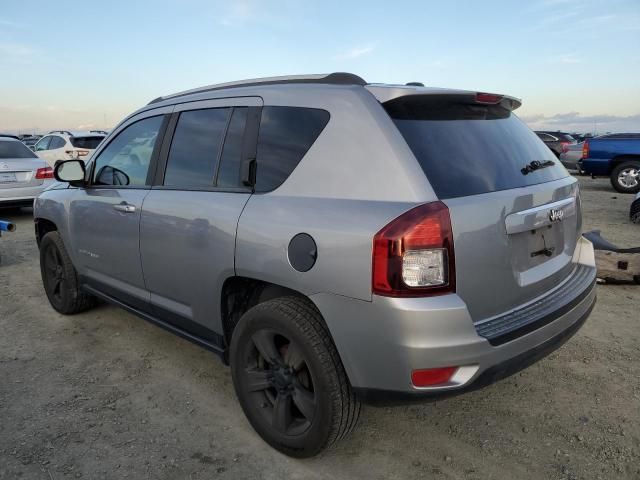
pixel 385 93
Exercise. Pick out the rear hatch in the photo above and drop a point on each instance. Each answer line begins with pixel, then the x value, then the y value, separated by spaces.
pixel 18 166
pixel 514 209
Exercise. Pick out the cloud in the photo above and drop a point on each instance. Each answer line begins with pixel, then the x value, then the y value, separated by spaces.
pixel 9 23
pixel 355 52
pixel 9 49
pixel 574 121
pixel 238 13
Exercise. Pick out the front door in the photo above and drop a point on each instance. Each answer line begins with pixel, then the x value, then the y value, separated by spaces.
pixel 105 216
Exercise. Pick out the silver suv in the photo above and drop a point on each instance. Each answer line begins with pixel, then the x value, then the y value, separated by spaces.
pixel 334 241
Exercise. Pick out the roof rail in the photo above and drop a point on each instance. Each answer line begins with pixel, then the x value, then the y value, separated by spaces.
pixel 337 78
pixel 66 132
pixel 99 131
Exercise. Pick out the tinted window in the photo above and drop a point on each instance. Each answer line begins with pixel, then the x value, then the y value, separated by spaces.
pixel 195 148
pixel 229 170
pixel 90 143
pixel 11 149
pixel 468 149
pixel 43 144
pixel 57 142
pixel 125 161
pixel 286 133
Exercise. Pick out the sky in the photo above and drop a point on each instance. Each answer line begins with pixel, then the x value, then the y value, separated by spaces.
pixel 86 65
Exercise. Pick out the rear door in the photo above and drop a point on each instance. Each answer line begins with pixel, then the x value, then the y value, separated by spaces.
pixel 189 218
pixel 104 217
pixel 515 226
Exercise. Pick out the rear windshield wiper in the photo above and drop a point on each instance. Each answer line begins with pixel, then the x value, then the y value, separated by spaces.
pixel 537 165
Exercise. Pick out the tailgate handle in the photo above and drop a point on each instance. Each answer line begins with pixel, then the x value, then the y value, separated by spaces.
pixel 541 216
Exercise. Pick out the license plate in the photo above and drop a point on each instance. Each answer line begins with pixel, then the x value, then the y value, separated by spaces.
pixel 8 177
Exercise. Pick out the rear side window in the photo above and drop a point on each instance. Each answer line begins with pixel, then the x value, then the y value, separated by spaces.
pixel 195 148
pixel 285 136
pixel 469 149
pixel 90 143
pixel 57 142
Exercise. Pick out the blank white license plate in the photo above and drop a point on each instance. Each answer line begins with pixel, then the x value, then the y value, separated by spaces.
pixel 8 177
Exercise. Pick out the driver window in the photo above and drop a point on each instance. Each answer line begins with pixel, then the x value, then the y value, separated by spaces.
pixel 125 161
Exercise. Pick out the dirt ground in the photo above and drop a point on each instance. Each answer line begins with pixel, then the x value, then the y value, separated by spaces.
pixel 106 395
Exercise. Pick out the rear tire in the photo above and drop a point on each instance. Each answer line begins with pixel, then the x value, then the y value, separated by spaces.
pixel 625 177
pixel 60 278
pixel 289 378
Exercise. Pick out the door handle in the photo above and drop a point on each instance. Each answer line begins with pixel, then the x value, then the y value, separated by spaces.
pixel 125 207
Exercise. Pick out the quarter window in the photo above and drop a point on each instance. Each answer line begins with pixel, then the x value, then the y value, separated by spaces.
pixel 285 136
pixel 195 148
pixel 229 170
pixel 125 161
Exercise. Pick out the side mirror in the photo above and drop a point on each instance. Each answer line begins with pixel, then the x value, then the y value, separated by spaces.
pixel 71 171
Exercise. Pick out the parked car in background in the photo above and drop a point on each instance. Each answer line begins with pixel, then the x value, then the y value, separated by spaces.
pixel 571 156
pixel 31 140
pixel 66 145
pixel 308 230
pixel 556 141
pixel 23 176
pixel 616 156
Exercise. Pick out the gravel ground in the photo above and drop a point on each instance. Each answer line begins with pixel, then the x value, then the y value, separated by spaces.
pixel 105 395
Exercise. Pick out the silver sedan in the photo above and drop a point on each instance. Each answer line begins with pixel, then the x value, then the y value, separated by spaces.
pixel 23 176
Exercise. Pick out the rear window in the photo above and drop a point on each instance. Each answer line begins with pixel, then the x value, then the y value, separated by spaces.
pixel 15 149
pixel 470 149
pixel 90 143
pixel 285 136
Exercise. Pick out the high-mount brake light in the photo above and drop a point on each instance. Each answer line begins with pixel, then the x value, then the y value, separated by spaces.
pixel 491 98
pixel 413 255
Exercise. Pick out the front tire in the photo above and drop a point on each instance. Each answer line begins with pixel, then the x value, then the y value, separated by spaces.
pixel 59 277
pixel 289 378
pixel 625 177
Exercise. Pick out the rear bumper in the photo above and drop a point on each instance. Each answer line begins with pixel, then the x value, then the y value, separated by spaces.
pixel 381 342
pixel 22 196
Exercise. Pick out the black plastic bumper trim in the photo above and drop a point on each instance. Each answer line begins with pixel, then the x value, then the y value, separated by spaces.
pixel 491 375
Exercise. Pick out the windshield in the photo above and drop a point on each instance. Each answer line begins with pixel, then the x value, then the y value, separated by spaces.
pixel 469 149
pixel 11 149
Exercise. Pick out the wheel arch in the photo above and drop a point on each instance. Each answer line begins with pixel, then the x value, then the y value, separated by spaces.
pixel 42 227
pixel 617 160
pixel 239 294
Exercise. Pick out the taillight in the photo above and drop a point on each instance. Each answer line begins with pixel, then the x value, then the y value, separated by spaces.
pixel 488 97
pixel 44 173
pixel 585 150
pixel 77 153
pixel 564 146
pixel 413 255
